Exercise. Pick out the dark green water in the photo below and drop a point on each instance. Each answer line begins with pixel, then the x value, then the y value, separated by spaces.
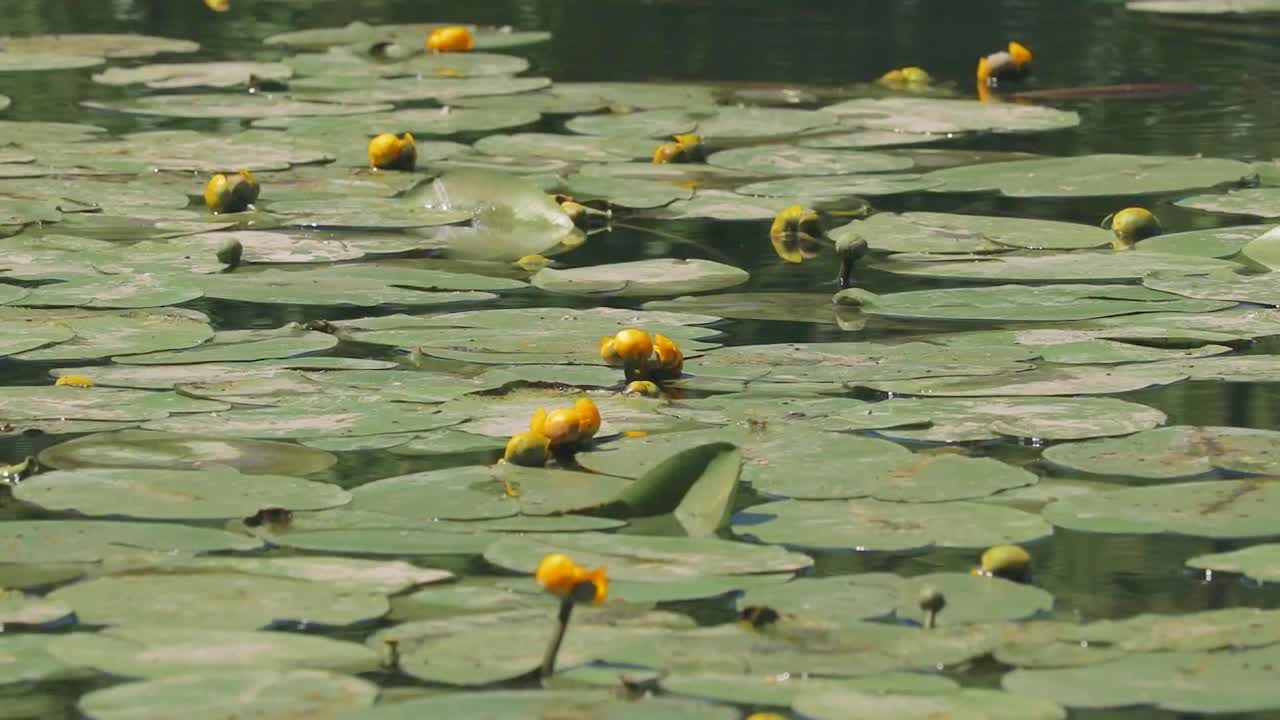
pixel 1233 113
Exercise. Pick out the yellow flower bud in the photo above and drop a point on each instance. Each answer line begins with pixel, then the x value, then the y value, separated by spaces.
pixel 633 346
pixel 1006 561
pixel 588 418
pixel 559 575
pixel 561 427
pixel 453 38
pixel 642 387
pixel 79 381
pixel 527 448
pixel 388 152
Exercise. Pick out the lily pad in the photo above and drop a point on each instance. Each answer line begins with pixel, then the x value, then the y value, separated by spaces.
pixel 103 45
pixel 1217 509
pixel 188 75
pixel 230 106
pixel 1259 562
pixel 934 115
pixel 1175 452
pixel 1092 176
pixel 887 527
pixel 641 278
pixel 148 652
pixel 244 602
pixel 793 160
pixel 645 558
pixel 53 541
pixel 1024 303
pixel 143 449
pixel 923 232
pixel 216 694
pixel 968 702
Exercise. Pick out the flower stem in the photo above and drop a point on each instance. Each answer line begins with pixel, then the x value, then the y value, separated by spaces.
pixel 562 624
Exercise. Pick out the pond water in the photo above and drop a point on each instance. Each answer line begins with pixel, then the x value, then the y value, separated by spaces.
pixel 1106 557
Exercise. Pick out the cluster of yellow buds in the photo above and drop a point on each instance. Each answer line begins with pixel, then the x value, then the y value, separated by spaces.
pixel 563 428
pixel 232 194
pixel 905 78
pixel 388 152
pixel 642 356
pixel 686 148
pixel 452 38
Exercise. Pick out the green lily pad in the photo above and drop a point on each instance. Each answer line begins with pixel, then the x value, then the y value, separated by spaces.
pixel 174 494
pixel 233 693
pixel 102 45
pixel 1024 303
pixel 33 61
pixel 782 691
pixel 478 492
pixel 518 704
pixel 143 449
pixel 626 192
pixel 100 334
pixel 244 602
pixel 641 278
pixel 363 285
pixel 166 377
pixel 838 187
pixel 121 404
pixel 968 702
pixel 1259 562
pixel 230 106
pixel 935 115
pixel 1077 266
pixel 1204 7
pixel 1262 289
pixel 1179 682
pixel 18 610
pixel 1220 242
pixel 1092 176
pixel 993 418
pixel 888 527
pixel 793 160
pixel 51 541
pixel 1066 380
pixel 189 75
pixel 1218 509
pixel 1175 452
pixel 949 233
pixel 149 652
pixel 25 659
pixel 644 558
pixel 310 418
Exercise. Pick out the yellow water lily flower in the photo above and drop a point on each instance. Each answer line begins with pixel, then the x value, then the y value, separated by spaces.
pixel 453 38
pixel 388 152
pixel 1010 562
pixel 79 381
pixel 231 193
pixel 559 575
pixel 529 449
pixel 1131 225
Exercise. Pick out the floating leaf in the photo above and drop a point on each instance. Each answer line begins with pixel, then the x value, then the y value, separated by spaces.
pixel 1217 509
pixel 1092 176
pixel 668 276
pixel 949 233
pixel 644 558
pixel 888 527
pixel 52 541
pixel 1175 452
pixel 792 160
pixel 244 602
pixel 233 693
pixel 148 652
pixel 932 115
